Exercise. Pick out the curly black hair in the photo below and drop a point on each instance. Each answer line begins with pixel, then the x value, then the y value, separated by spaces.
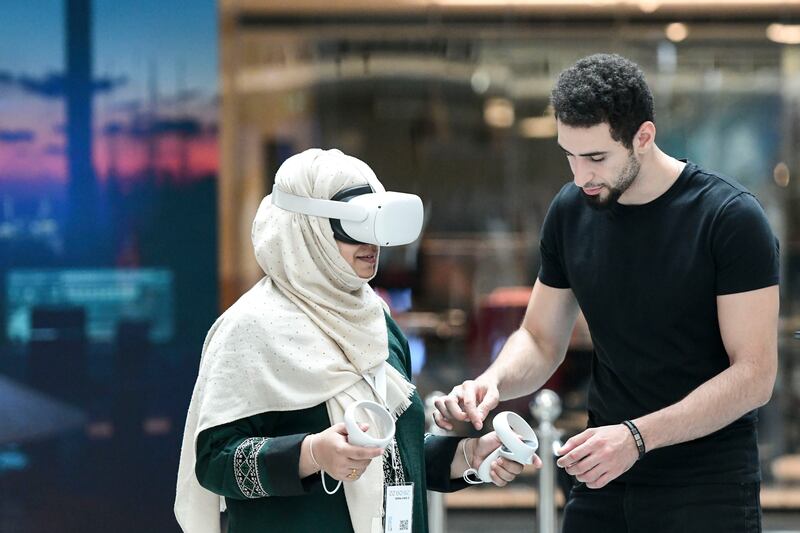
pixel 604 88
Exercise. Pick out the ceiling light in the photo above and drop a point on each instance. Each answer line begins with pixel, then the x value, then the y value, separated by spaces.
pixel 499 113
pixel 649 6
pixel 784 33
pixel 538 127
pixel 677 32
pixel 781 174
pixel 480 81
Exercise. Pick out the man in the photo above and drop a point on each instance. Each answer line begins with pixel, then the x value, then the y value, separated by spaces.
pixel 676 271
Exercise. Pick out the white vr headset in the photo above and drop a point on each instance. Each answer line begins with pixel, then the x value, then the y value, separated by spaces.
pixel 362 214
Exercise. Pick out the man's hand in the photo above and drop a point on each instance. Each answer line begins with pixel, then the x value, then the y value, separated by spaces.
pixel 599 455
pixel 472 400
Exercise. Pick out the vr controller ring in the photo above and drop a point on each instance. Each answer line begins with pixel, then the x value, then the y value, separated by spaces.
pixel 385 424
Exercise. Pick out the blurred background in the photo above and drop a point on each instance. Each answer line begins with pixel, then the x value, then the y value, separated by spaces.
pixel 137 139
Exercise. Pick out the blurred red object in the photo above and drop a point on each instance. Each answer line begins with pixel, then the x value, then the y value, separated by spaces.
pixel 499 314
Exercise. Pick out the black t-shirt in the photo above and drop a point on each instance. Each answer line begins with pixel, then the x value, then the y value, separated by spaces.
pixel 646 278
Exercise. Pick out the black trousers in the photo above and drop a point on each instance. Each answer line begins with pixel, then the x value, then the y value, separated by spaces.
pixel 626 508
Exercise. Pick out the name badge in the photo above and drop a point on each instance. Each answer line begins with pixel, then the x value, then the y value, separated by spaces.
pixel 399 508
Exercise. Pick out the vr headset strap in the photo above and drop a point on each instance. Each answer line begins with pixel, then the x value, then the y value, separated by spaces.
pixel 318 208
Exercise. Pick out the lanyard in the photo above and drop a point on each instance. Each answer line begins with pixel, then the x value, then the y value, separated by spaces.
pixel 377 381
pixel 393 468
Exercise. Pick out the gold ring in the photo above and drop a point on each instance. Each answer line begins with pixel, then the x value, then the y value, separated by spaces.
pixel 353 472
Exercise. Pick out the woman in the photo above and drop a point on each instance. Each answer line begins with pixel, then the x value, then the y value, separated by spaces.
pixel 282 364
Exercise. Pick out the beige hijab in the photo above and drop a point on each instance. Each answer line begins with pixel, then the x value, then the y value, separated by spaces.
pixel 307 333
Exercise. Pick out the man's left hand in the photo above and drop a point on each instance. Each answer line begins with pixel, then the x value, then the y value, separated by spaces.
pixel 599 455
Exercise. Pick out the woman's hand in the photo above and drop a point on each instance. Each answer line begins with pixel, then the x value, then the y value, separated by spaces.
pixel 333 454
pixel 503 470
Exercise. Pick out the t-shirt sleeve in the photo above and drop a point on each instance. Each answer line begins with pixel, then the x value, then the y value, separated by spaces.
pixel 551 270
pixel 745 250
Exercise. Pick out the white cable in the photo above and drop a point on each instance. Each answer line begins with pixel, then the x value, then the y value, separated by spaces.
pixel 331 493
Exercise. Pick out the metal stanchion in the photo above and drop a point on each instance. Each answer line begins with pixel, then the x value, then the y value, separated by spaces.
pixel 546 407
pixel 437 514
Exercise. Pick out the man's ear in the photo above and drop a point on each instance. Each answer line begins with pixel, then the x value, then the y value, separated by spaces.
pixel 644 138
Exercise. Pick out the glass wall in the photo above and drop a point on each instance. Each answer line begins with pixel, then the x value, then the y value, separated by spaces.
pixel 453 106
pixel 108 248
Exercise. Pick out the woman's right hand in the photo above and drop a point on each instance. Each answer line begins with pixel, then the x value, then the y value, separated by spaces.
pixel 338 458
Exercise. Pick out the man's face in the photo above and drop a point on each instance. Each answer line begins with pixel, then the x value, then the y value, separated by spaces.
pixel 602 167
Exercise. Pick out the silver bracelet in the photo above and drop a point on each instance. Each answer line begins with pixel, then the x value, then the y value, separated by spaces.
pixel 311 449
pixel 474 480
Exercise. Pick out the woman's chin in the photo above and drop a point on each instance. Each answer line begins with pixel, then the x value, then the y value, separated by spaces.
pixel 366 273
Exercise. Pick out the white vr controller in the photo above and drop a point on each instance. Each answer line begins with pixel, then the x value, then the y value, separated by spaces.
pixel 519 443
pixel 384 425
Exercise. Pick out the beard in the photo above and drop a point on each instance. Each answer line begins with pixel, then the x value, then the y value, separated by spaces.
pixel 622 183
